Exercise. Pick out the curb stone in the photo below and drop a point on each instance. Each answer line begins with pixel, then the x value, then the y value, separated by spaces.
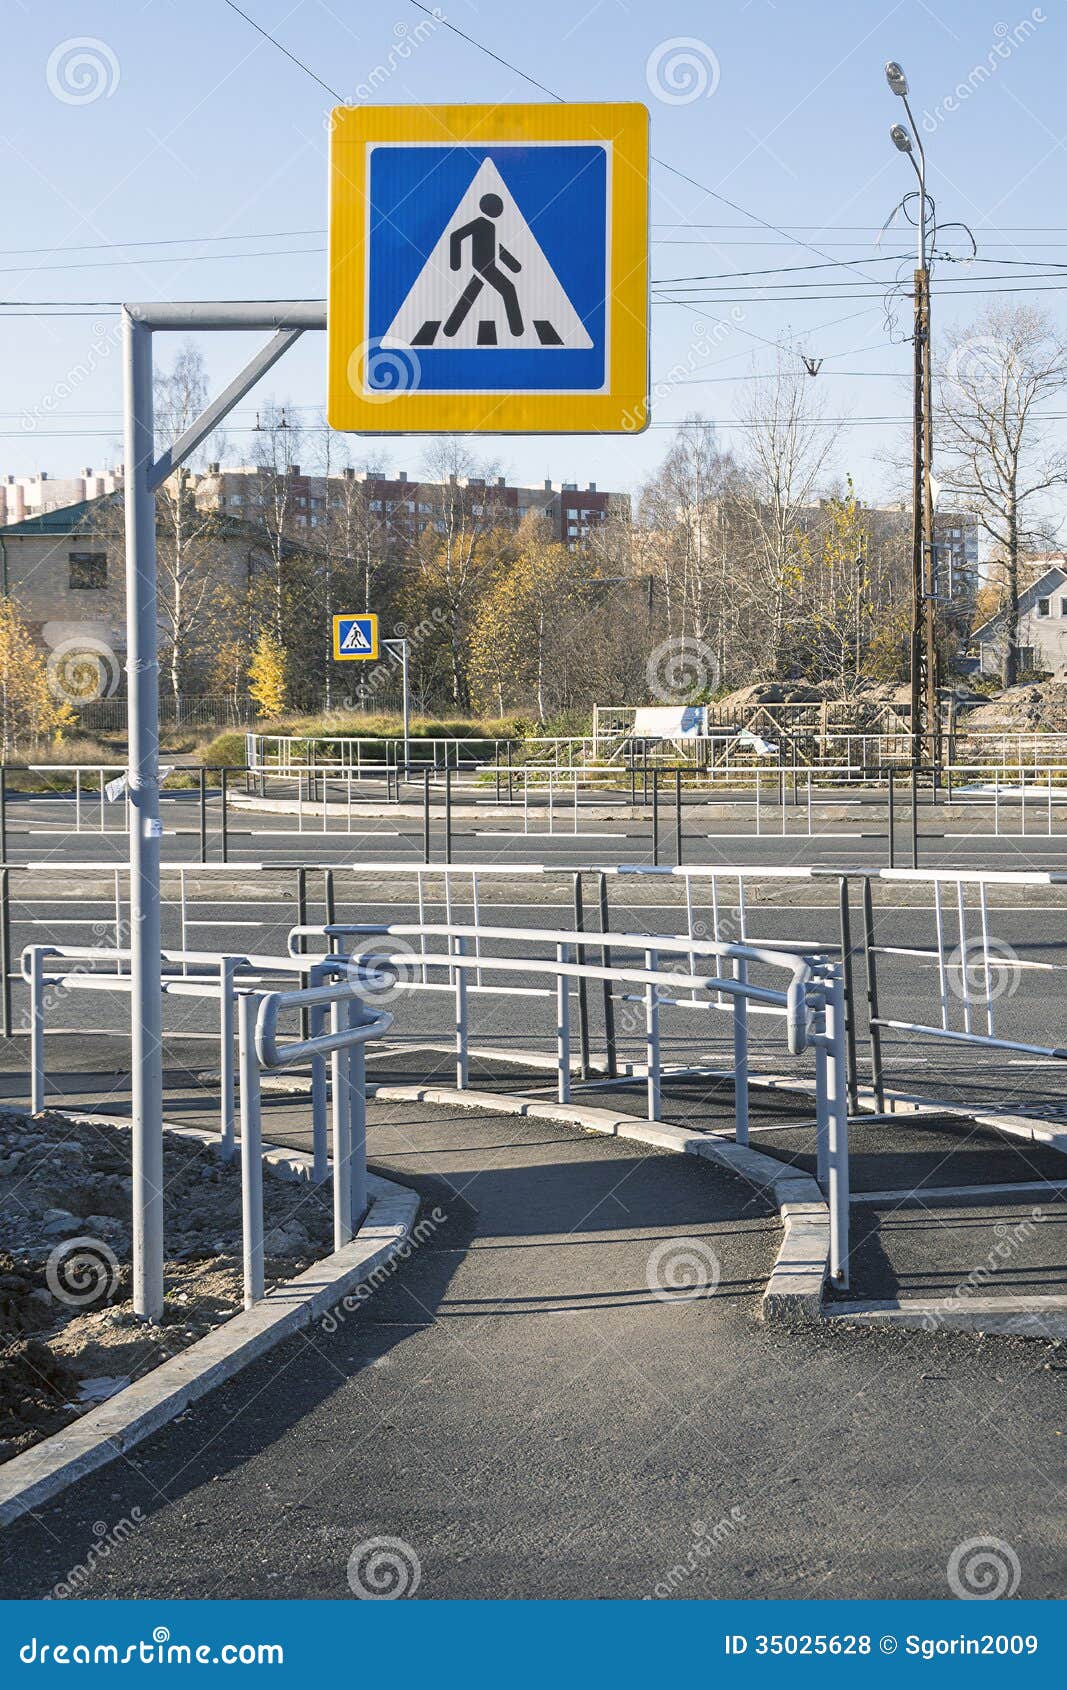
pixel 794 1290
pixel 37 1475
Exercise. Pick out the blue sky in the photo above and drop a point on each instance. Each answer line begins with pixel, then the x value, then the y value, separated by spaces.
pixel 202 129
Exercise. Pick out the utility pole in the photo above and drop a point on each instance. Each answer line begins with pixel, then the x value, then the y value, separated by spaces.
pixel 925 687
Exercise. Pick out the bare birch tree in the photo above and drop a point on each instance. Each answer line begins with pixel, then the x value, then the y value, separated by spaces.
pixel 787 451
pixel 1000 461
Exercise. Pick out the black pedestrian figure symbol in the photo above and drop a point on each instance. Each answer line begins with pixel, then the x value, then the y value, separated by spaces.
pixel 485 250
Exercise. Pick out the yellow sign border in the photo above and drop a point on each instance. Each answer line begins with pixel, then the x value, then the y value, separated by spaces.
pixel 623 407
pixel 370 656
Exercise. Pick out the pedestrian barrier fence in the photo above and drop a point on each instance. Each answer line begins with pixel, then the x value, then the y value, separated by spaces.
pixel 235 983
pixel 667 974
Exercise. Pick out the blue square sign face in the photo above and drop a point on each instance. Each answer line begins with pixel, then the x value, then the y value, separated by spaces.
pixel 490 264
pixel 355 638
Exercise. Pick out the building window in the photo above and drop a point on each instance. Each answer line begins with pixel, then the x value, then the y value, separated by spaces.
pixel 88 569
pixel 1063 607
pixel 1043 607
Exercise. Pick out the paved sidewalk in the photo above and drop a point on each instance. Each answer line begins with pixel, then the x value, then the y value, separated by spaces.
pixel 523 1411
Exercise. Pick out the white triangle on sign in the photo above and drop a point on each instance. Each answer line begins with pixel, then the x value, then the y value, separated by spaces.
pixel 488 303
pixel 355 639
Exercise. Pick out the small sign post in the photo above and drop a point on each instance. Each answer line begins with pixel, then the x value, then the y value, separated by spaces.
pixel 355 640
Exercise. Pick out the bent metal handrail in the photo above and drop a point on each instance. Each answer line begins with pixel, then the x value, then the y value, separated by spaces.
pixel 234 981
pixel 273 1055
pixel 800 967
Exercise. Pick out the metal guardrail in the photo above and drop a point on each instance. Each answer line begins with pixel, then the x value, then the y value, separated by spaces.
pixel 811 1005
pixel 233 981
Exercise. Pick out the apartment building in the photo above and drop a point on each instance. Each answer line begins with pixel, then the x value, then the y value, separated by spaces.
pixel 405 507
pixel 23 496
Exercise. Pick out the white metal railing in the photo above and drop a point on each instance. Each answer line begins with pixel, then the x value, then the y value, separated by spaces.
pixel 234 982
pixel 810 1004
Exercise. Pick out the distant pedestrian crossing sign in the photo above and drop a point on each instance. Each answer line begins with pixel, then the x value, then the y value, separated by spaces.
pixel 355 638
pixel 489 269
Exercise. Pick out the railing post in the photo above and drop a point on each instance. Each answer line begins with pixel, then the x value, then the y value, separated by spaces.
pixel 329 906
pixel 342 1134
pixel 3 813
pixel 425 815
pixel 357 1102
pixel 891 825
pixel 203 815
pixel 678 817
pixel 302 921
pixel 871 973
pixel 448 814
pixel 609 1001
pixel 36 1030
pixel 563 1025
pixel 845 917
pixel 319 1133
pixel 821 1118
pixel 583 994
pixel 223 773
pixel 914 818
pixel 837 1132
pixel 740 1053
pixel 459 945
pixel 652 1055
pixel 5 947
pixel 655 817
pixel 251 1152
pixel 227 1076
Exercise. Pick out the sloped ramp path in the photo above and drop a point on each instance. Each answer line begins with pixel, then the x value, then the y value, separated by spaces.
pixel 529 1413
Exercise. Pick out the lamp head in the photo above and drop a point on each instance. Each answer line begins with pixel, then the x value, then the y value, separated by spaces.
pixel 900 138
pixel 894 75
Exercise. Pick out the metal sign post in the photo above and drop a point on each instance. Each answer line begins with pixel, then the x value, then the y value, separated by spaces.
pixel 144 474
pixel 356 640
pixel 399 648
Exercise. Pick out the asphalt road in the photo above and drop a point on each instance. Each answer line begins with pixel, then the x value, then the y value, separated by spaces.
pixel 56 904
pixel 842 826
pixel 530 1419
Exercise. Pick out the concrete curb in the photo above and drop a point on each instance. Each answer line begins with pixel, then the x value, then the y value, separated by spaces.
pixel 39 1474
pixel 1003 1317
pixel 794 1290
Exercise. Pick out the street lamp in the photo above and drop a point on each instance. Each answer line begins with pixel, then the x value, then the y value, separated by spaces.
pixel 898 82
pixel 923 632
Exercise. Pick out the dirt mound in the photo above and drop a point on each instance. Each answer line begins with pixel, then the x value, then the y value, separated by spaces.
pixel 68 1334
pixel 814 692
pixel 1031 707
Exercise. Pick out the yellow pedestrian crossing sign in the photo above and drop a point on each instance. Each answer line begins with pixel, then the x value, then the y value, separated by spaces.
pixel 355 638
pixel 489 269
